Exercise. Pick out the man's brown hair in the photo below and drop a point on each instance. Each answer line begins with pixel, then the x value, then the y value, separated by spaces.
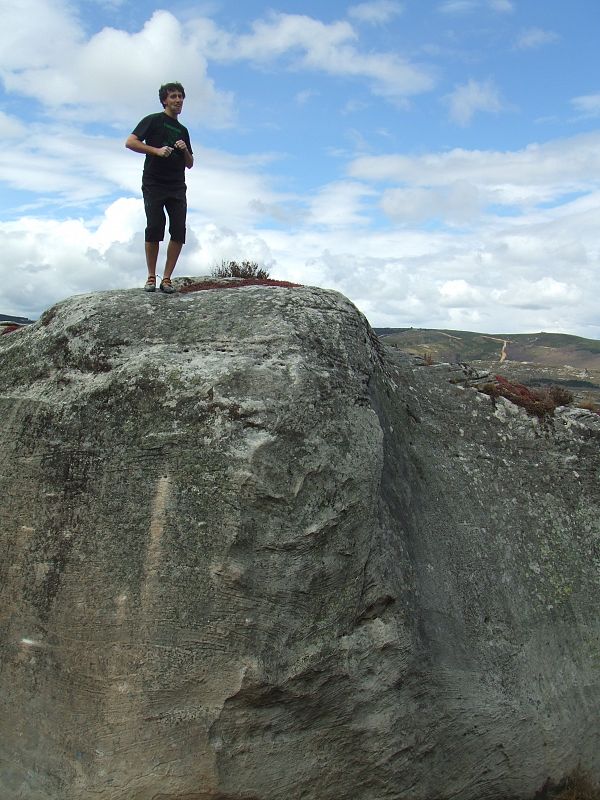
pixel 169 87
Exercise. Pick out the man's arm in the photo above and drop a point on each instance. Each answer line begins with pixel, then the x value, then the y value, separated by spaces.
pixel 188 158
pixel 133 143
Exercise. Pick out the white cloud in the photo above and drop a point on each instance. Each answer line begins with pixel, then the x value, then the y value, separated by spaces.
pixel 466 6
pixel 470 98
pixel 533 38
pixel 458 293
pixel 500 273
pixel 588 104
pixel 491 240
pixel 214 244
pixel 457 203
pixel 506 276
pixel 305 95
pixel 539 173
pixel 330 48
pixel 119 223
pixel 74 169
pixel 50 260
pixel 544 293
pixel 279 34
pixel 110 75
pixel 504 6
pixel 56 160
pixel 376 12
pixel 339 205
pixel 35 34
pixel 10 127
pixel 458 6
pixel 233 191
pixel 479 281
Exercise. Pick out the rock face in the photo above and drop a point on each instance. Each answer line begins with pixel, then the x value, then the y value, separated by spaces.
pixel 246 556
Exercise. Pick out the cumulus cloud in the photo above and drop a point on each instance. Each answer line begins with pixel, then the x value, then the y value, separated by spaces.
pixel 533 38
pixel 458 203
pixel 588 104
pixel 470 98
pixel 50 260
pixel 310 44
pixel 458 293
pixel 537 174
pixel 11 128
pixel 457 6
pixel 109 75
pixel 507 271
pixel 232 190
pixel 491 240
pixel 467 6
pixel 544 293
pixel 112 73
pixel 506 276
pixel 340 205
pixel 466 188
pixel 35 34
pixel 376 12
pixel 55 161
pixel 504 6
pixel 305 95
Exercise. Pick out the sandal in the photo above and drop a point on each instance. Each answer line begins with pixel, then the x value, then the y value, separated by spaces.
pixel 150 285
pixel 166 286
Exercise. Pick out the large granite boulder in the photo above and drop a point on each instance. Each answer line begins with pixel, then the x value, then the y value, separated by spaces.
pixel 245 555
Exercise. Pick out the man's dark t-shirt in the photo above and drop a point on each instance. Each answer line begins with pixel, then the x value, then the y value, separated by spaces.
pixel 159 130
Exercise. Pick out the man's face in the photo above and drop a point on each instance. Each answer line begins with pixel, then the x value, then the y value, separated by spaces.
pixel 174 103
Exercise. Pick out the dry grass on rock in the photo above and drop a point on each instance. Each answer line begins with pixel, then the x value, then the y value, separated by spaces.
pixel 578 785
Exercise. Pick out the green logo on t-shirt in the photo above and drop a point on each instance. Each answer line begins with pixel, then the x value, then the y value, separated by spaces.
pixel 172 133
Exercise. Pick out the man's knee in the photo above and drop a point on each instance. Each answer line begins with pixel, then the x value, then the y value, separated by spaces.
pixel 155 217
pixel 153 236
pixel 176 208
pixel 177 228
pixel 177 235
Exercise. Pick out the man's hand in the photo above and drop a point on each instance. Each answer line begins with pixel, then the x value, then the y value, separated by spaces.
pixel 187 156
pixel 135 144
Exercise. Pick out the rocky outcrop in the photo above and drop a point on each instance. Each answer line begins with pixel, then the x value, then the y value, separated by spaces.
pixel 246 555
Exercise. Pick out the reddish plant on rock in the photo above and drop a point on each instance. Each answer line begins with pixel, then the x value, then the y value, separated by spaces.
pixel 10 328
pixel 537 402
pixel 237 284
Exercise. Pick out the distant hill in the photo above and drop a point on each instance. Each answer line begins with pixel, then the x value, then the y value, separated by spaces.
pixel 16 320
pixel 545 349
pixel 534 359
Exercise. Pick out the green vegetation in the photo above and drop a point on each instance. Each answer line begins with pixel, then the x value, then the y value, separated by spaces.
pixel 451 345
pixel 247 269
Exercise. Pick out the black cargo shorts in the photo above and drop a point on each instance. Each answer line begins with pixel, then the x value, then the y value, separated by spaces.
pixel 157 200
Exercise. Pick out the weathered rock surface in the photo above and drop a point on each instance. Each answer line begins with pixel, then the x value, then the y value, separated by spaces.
pixel 246 556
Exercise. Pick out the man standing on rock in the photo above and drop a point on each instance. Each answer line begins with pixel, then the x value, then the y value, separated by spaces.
pixel 166 145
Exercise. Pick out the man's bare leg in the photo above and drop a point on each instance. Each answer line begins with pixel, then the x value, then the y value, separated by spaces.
pixel 151 256
pixel 151 259
pixel 173 251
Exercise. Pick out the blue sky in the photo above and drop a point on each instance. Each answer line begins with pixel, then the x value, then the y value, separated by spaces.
pixel 437 161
